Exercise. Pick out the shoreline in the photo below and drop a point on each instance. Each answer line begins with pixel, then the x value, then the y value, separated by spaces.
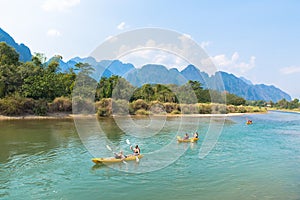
pixel 284 110
pixel 72 116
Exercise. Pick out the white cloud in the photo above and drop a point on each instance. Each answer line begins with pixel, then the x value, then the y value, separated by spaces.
pixel 187 35
pixel 111 38
pixel 290 70
pixel 205 44
pixel 185 38
pixel 159 57
pixel 233 64
pixel 53 33
pixel 121 26
pixel 222 62
pixel 59 5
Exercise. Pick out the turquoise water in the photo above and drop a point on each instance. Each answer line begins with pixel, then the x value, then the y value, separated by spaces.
pixel 45 159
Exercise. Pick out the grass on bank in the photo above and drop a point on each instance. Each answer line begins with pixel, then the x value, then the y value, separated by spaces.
pixel 18 106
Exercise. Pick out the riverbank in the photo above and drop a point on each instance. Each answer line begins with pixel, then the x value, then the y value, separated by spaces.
pixel 72 116
pixel 285 110
pixel 50 116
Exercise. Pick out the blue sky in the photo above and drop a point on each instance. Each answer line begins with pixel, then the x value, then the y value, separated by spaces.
pixel 256 39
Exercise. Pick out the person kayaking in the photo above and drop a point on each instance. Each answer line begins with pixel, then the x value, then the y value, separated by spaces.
pixel 136 150
pixel 120 155
pixel 196 135
pixel 186 137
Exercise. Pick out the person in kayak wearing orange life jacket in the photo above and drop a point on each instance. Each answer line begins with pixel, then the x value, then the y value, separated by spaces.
pixel 136 150
pixel 186 136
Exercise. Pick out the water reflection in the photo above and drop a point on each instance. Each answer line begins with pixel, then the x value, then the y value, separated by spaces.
pixel 31 137
pixel 111 129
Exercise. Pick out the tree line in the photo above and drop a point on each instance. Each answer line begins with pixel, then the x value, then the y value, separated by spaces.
pixel 38 87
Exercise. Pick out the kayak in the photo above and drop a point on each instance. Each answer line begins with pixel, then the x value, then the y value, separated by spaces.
pixel 248 123
pixel 114 160
pixel 179 139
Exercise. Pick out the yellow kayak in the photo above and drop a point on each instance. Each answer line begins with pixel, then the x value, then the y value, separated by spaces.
pixel 115 160
pixel 179 139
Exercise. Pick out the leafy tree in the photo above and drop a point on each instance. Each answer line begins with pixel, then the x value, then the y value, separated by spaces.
pixel 106 86
pixel 294 104
pixel 163 93
pixel 146 92
pixel 9 79
pixel 283 103
pixel 42 81
pixel 85 85
pixel 122 90
pixel 84 69
pixel 39 59
pixel 235 100
pixel 8 55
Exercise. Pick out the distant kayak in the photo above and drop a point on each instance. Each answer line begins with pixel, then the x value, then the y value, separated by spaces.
pixel 115 160
pixel 179 139
pixel 249 122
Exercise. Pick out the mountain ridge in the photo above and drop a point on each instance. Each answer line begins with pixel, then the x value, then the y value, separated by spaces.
pixel 153 73
pixel 22 49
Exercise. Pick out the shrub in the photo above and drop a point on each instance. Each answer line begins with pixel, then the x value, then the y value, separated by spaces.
pixel 84 106
pixel 204 108
pixel 120 106
pixel 40 107
pixel 11 106
pixel 256 110
pixel 142 112
pixel 231 109
pixel 157 107
pixel 218 109
pixel 241 109
pixel 16 105
pixel 131 109
pixel 29 105
pixel 189 108
pixel 170 107
pixel 104 107
pixel 140 104
pixel 175 112
pixel 61 104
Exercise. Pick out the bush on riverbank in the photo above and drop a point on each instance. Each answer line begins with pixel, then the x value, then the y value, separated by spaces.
pixel 61 104
pixel 104 107
pixel 107 107
pixel 12 106
pixel 16 106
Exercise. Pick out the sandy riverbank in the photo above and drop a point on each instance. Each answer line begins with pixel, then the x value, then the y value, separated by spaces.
pixel 50 116
pixel 72 116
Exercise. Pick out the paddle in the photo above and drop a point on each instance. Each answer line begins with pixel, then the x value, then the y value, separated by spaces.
pixel 108 147
pixel 136 157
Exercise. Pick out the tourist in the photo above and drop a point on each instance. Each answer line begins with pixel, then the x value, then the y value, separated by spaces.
pixel 196 135
pixel 186 137
pixel 136 150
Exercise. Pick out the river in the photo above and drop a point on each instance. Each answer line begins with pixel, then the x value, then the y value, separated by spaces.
pixel 48 159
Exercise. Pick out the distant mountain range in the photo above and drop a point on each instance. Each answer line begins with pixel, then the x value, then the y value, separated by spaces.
pixel 24 51
pixel 151 73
